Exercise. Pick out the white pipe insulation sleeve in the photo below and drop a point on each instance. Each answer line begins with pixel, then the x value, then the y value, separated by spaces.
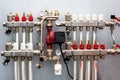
pixel 94 37
pixel 74 35
pixel 87 76
pixel 15 46
pixel 57 69
pixel 30 70
pixel 94 72
pixel 18 62
pixel 75 70
pixel 23 46
pixel 17 37
pixel 30 46
pixel 81 36
pixel 81 70
pixel 15 70
pixel 87 37
pixel 30 37
pixel 23 37
pixel 23 70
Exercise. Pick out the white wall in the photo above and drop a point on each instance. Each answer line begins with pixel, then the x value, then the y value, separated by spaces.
pixel 109 69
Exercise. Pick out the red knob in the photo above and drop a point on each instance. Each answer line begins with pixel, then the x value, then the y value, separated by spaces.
pixel 75 46
pixel 24 17
pixel 17 17
pixel 81 46
pixel 96 46
pixel 30 18
pixel 102 46
pixel 88 46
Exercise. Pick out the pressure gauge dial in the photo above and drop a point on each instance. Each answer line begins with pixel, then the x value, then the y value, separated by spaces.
pixel 42 13
pixel 58 52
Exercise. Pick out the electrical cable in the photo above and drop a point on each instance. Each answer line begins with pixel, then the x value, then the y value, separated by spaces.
pixel 65 63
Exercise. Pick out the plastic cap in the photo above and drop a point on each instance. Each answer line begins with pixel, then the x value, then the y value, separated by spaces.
pixel 88 17
pixel 74 17
pixel 96 46
pixel 94 17
pixel 101 17
pixel 81 17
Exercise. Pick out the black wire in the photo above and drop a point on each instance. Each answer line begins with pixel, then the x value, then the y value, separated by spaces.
pixel 65 62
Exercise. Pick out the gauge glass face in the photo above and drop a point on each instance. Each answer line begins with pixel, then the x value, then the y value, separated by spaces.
pixel 57 51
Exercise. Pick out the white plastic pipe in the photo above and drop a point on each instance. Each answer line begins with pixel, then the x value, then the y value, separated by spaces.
pixel 23 70
pixel 81 36
pixel 94 37
pixel 87 37
pixel 94 70
pixel 81 70
pixel 30 37
pixel 15 70
pixel 75 70
pixel 74 35
pixel 87 76
pixel 30 70
pixel 17 38
pixel 23 37
pixel 18 62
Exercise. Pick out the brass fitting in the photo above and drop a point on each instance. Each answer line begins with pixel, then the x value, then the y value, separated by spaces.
pixel 95 57
pixel 29 58
pixel 22 58
pixel 31 29
pixel 8 46
pixel 88 57
pixel 49 52
pixel 74 28
pixel 81 57
pixel 81 28
pixel 23 29
pixel 102 56
pixel 68 45
pixel 87 28
pixel 56 13
pixel 49 13
pixel 68 17
pixel 94 28
pixel 15 58
pixel 49 23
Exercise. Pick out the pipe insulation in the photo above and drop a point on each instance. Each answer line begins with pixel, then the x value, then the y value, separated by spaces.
pixel 81 70
pixel 87 76
pixel 94 70
pixel 30 70
pixel 15 70
pixel 87 37
pixel 23 70
pixel 75 70
pixel 81 36
pixel 94 37
pixel 74 35
pixel 30 37
pixel 18 63
pixel 23 37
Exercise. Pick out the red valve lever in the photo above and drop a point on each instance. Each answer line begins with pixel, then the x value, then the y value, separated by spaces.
pixel 96 46
pixel 102 46
pixel 81 46
pixel 17 17
pixel 88 46
pixel 24 17
pixel 75 46
pixel 30 17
